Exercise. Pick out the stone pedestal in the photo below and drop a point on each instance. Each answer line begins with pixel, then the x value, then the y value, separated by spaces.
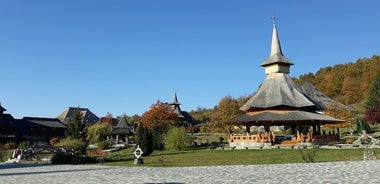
pixel 138 161
pixel 369 154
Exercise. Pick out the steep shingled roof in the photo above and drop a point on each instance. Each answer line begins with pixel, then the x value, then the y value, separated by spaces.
pixel 87 115
pixel 277 90
pixel 318 96
pixel 122 128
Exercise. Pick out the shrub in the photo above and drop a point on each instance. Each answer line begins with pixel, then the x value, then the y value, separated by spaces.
pixel 64 158
pixel 10 145
pixel 23 145
pixel 103 145
pixel 54 141
pixel 177 138
pixel 308 155
pixel 77 145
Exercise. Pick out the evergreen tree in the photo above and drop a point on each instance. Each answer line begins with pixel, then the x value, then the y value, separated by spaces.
pixel 75 127
pixel 374 93
pixel 145 140
pixel 361 125
pixel 373 102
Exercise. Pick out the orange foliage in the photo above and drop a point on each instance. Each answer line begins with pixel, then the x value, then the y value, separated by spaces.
pixel 335 111
pixel 54 140
pixel 159 116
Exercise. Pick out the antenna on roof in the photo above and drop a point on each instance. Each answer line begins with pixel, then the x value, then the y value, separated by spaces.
pixel 274 19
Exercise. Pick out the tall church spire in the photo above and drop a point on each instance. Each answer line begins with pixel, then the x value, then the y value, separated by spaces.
pixel 276 62
pixel 175 105
pixel 175 100
pixel 275 46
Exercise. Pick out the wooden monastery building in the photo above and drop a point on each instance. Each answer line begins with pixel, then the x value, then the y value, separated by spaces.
pixel 33 130
pixel 281 102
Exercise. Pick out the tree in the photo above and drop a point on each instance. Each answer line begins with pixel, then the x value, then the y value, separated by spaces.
pixel 337 111
pixel 361 125
pixel 227 109
pixel 96 132
pixel 160 116
pixel 373 102
pixel 177 138
pixel 75 127
pixel 145 140
pixel 373 115
pixel 159 119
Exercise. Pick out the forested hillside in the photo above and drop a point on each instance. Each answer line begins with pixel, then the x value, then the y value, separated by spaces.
pixel 347 83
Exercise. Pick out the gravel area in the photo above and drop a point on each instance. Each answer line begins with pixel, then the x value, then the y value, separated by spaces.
pixel 326 172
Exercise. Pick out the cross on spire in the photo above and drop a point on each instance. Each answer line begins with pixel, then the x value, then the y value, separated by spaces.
pixel 274 19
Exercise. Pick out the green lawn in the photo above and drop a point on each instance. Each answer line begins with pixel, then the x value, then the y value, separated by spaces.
pixel 240 157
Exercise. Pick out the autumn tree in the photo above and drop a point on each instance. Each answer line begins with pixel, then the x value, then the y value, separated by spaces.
pixel 158 119
pixel 75 127
pixel 226 109
pixel 373 102
pixel 373 114
pixel 347 83
pixel 340 112
pixel 201 115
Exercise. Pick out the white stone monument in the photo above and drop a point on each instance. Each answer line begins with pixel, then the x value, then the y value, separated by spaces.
pixel 138 154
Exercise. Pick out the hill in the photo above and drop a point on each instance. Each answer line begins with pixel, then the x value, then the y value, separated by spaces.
pixel 347 83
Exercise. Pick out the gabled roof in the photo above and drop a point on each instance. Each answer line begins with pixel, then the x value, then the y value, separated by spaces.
pixel 48 122
pixel 276 55
pixel 278 90
pixel 87 115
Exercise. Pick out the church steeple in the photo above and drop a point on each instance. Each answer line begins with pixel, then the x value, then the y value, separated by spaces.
pixel 276 62
pixel 175 105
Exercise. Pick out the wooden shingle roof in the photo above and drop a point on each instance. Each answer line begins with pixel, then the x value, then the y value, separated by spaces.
pixel 278 90
pixel 282 117
pixel 48 122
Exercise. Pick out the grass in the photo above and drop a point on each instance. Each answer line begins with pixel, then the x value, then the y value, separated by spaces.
pixel 240 157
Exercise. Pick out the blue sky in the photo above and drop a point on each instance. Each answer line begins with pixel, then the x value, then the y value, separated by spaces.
pixel 121 56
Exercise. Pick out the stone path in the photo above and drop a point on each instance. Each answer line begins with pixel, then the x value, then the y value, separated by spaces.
pixel 328 172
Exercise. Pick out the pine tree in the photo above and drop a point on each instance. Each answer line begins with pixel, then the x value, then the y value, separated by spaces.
pixel 373 102
pixel 361 125
pixel 75 127
pixel 374 93
pixel 145 140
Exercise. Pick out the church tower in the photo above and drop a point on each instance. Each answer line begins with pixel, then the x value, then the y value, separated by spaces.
pixel 276 62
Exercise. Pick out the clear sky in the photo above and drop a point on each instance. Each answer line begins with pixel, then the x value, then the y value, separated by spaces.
pixel 121 56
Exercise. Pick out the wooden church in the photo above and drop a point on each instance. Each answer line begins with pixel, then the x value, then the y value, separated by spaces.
pixel 281 102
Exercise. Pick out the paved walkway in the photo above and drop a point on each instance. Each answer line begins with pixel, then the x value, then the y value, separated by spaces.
pixel 328 172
